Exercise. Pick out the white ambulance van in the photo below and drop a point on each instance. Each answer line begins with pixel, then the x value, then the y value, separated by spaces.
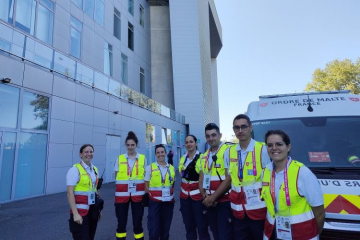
pixel 324 128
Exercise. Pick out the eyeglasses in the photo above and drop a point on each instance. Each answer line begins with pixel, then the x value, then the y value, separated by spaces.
pixel 240 128
pixel 277 145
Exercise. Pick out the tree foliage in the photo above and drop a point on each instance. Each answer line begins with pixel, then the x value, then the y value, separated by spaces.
pixel 337 75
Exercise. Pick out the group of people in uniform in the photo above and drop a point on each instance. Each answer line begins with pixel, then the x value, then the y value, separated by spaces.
pixel 250 190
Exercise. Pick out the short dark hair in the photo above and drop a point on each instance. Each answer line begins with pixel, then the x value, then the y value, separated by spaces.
pixel 160 146
pixel 85 146
pixel 131 136
pixel 211 126
pixel 281 133
pixel 242 116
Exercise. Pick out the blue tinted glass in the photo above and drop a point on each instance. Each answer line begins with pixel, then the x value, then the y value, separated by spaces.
pixel 25 15
pixel 44 26
pixel 4 46
pixel 48 4
pixel 7 165
pixel 75 43
pixel 77 3
pixel 9 99
pixel 75 23
pixel 35 111
pixel 6 10
pixel 89 7
pixel 99 13
pixel 30 175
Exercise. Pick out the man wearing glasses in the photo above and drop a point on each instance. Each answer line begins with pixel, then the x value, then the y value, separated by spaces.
pixel 245 162
pixel 214 184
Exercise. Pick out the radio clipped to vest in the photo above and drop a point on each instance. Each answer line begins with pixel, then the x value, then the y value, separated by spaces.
pixel 190 173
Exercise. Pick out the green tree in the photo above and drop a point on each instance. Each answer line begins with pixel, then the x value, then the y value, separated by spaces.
pixel 337 75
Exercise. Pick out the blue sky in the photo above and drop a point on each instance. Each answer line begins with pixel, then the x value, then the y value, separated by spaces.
pixel 272 47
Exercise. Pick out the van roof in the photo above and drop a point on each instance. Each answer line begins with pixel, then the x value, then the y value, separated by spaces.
pixel 296 105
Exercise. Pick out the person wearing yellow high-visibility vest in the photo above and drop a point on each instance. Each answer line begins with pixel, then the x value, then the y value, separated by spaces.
pixel 214 184
pixel 130 188
pixel 81 181
pixel 244 162
pixel 292 193
pixel 159 184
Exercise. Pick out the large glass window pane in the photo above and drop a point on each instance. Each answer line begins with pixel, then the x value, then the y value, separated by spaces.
pixel 142 16
pixel 114 87
pixel 131 36
pixel 44 25
pixel 99 13
pixel 101 82
pixel 30 174
pixel 25 15
pixel 64 65
pixel 9 99
pixel 117 24
pixel 85 74
pixel 75 43
pixel 124 68
pixel 89 7
pixel 6 10
pixel 43 55
pixel 77 3
pixel 4 47
pixel 7 165
pixel 47 3
pixel 131 7
pixel 108 58
pixel 35 111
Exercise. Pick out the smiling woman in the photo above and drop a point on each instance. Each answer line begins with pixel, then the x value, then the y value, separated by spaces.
pixel 81 181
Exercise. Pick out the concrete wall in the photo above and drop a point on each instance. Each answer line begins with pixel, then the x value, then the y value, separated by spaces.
pixel 161 57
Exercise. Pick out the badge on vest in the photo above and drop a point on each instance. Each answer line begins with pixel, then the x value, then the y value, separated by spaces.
pixel 283 228
pixel 166 196
pixel 131 187
pixel 250 172
pixel 91 198
pixel 206 181
pixel 218 165
pixel 252 195
pixel 266 184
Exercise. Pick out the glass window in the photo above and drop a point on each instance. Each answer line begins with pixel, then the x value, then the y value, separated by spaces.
pixel 64 65
pixel 35 111
pixel 89 6
pixel 30 175
pixel 163 136
pixel 9 99
pixel 117 24
pixel 6 10
pixel 44 24
pixel 43 55
pixel 114 87
pixel 142 16
pixel 150 133
pixel 99 12
pixel 124 68
pixel 101 82
pixel 131 36
pixel 7 165
pixel 4 46
pixel 77 3
pixel 25 15
pixel 131 7
pixel 84 74
pixel 75 32
pixel 142 80
pixel 108 58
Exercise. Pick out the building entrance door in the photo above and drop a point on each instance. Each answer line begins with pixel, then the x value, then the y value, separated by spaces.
pixel 7 163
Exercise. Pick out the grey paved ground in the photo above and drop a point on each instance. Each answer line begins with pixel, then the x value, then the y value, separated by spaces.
pixel 47 218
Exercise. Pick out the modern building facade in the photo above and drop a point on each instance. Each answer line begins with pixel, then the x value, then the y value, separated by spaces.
pixel 75 72
pixel 186 38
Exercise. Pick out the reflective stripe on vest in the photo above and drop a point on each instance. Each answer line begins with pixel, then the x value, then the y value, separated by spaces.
pixel 155 184
pixel 303 223
pixel 82 189
pixel 123 178
pixel 215 181
pixel 237 195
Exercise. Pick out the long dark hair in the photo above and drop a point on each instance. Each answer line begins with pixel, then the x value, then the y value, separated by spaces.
pixel 131 136
pixel 195 139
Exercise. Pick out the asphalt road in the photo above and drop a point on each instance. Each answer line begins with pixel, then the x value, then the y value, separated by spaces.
pixel 46 218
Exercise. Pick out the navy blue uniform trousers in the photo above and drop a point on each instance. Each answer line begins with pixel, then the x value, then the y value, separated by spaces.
pixel 248 229
pixel 137 211
pixel 194 219
pixel 160 215
pixel 86 230
pixel 221 221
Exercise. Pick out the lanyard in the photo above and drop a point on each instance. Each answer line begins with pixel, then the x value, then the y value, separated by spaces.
pixel 129 173
pixel 164 178
pixel 241 166
pixel 90 183
pixel 207 158
pixel 287 195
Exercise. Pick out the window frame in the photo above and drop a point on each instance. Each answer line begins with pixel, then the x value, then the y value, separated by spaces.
pixel 142 16
pixel 81 39
pixel 118 16
pixel 142 81
pixel 131 29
